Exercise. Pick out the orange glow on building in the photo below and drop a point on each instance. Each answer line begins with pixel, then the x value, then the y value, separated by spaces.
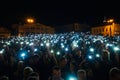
pixel 35 28
pixel 107 30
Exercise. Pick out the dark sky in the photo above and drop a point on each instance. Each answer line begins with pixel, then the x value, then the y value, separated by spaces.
pixel 55 13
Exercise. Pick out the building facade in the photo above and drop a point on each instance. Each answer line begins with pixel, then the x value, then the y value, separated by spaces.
pixel 106 30
pixel 35 28
pixel 4 32
pixel 73 27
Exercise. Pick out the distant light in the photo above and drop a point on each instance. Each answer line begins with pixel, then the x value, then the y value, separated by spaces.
pixel 107 44
pixel 30 20
pixel 111 20
pixel 116 48
pixel 1 52
pixel 31 44
pixel 52 51
pixel 27 42
pixel 97 55
pixel 16 42
pixel 21 42
pixel 58 53
pixel 35 50
pixel 90 57
pixel 28 50
pixel 72 78
pixel 91 50
pixel 66 49
pixel 47 44
pixel 41 44
pixel 22 54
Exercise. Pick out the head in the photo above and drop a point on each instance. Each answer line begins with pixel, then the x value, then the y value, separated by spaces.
pixel 56 71
pixel 27 71
pixel 63 61
pixel 20 65
pixel 33 76
pixel 81 74
pixel 4 78
pixel 114 73
pixel 79 53
pixel 105 55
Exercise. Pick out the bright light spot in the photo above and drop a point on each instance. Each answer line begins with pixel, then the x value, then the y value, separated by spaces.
pixel 35 50
pixel 90 57
pixel 8 43
pixel 52 51
pixel 31 44
pixel 28 50
pixel 66 49
pixel 21 42
pixel 62 46
pixel 47 44
pixel 41 44
pixel 23 55
pixel 107 44
pixel 1 52
pixel 72 78
pixel 58 53
pixel 30 20
pixel 27 42
pixel 16 42
pixel 97 55
pixel 91 49
pixel 116 48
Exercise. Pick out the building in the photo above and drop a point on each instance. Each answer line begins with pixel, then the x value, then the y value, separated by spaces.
pixel 73 27
pixel 35 28
pixel 4 32
pixel 106 30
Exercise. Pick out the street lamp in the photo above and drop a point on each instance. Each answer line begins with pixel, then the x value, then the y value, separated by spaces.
pixel 30 20
pixel 110 21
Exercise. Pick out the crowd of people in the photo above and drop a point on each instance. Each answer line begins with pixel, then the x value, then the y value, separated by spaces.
pixel 64 56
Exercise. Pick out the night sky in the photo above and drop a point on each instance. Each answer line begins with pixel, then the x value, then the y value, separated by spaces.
pixel 56 13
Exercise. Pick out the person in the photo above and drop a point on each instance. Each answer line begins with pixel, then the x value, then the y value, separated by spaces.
pixel 64 66
pixel 33 76
pixel 17 73
pixel 114 73
pixel 81 74
pixel 56 74
pixel 4 78
pixel 26 72
pixel 105 64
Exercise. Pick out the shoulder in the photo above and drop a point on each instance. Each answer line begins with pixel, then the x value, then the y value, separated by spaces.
pixel 50 78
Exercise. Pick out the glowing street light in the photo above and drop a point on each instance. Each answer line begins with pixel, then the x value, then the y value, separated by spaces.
pixel 30 20
pixel 110 21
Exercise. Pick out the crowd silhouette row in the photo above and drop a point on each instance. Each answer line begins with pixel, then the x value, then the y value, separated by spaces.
pixel 65 56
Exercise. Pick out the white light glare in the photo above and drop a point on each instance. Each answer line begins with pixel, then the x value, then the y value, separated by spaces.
pixel 23 55
pixel 47 44
pixel 97 55
pixel 35 49
pixel 91 49
pixel 41 44
pixel 52 51
pixel 72 78
pixel 116 48
pixel 90 57
pixel 58 53
pixel 31 44
pixel 66 49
